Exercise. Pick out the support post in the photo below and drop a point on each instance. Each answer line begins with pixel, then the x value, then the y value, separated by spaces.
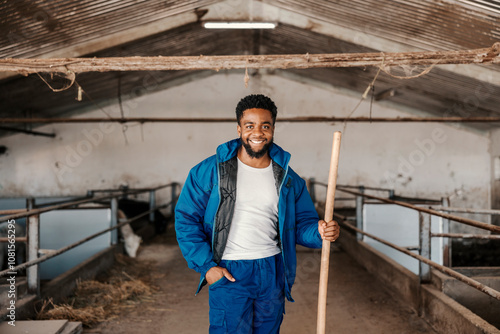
pixel 33 244
pixel 425 246
pixel 359 213
pixel 152 205
pixel 446 241
pixel 114 220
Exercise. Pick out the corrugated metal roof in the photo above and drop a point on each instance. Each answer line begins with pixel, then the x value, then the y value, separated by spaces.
pixel 429 25
pixel 489 5
pixel 31 28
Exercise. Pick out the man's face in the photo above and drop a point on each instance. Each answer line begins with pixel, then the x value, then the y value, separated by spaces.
pixel 256 130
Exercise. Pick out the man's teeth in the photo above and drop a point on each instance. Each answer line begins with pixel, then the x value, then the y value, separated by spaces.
pixel 257 141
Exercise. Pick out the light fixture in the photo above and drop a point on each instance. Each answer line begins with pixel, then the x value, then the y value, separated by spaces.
pixel 239 25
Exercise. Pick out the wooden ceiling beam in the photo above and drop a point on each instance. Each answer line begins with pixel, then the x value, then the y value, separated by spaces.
pixel 81 65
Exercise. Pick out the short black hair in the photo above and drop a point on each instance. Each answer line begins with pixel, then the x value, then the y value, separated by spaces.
pixel 256 101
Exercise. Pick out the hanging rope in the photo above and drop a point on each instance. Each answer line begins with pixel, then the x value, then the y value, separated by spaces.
pixel 365 94
pixel 408 70
pixel 68 75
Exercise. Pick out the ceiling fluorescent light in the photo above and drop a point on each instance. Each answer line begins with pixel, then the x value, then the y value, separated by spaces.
pixel 239 25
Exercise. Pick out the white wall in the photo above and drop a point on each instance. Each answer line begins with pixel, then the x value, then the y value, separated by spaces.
pixel 417 159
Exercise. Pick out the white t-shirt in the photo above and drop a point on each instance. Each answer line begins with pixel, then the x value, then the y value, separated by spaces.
pixel 254 228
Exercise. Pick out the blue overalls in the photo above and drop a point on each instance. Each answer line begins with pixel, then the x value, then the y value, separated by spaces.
pixel 254 303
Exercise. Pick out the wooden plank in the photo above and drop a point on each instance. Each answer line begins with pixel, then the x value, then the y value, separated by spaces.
pixel 34 327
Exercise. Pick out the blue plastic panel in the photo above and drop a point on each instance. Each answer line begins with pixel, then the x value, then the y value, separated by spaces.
pixel 400 226
pixel 63 227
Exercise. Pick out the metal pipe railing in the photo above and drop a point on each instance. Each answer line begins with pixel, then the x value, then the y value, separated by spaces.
pixel 466 210
pixel 361 188
pixel 466 236
pixel 467 280
pixel 425 234
pixel 345 198
pixel 53 207
pixel 390 191
pixel 124 189
pixel 12 211
pixel 18 239
pixel 33 227
pixel 73 245
pixel 462 220
pixel 77 202
pixel 61 202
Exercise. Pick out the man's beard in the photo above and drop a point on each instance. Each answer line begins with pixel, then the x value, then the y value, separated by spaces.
pixel 258 154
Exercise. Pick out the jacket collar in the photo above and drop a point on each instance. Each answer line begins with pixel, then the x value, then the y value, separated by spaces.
pixel 229 150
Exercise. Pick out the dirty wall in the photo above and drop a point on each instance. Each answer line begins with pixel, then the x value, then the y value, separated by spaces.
pixel 428 160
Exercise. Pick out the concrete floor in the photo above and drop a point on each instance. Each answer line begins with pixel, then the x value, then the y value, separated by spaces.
pixel 357 303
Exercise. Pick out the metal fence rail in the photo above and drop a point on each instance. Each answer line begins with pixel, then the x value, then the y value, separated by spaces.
pixel 88 199
pixel 78 243
pixel 470 222
pixel 467 280
pixel 466 210
pixel 32 214
pixel 466 236
pixel 425 236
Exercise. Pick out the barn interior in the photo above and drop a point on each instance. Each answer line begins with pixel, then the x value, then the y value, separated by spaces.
pixel 124 140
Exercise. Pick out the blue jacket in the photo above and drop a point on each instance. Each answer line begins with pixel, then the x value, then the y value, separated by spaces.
pixel 205 207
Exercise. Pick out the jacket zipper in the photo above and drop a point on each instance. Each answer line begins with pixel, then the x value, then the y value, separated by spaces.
pixel 218 204
pixel 281 239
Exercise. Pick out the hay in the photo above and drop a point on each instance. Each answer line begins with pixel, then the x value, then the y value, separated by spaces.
pixel 132 289
pixel 95 301
pixel 88 316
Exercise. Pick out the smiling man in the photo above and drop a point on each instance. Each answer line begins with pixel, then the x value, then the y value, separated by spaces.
pixel 239 216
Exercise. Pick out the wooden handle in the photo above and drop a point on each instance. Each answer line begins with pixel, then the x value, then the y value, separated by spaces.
pixel 325 252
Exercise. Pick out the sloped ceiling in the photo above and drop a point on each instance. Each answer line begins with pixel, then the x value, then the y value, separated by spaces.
pixel 173 28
